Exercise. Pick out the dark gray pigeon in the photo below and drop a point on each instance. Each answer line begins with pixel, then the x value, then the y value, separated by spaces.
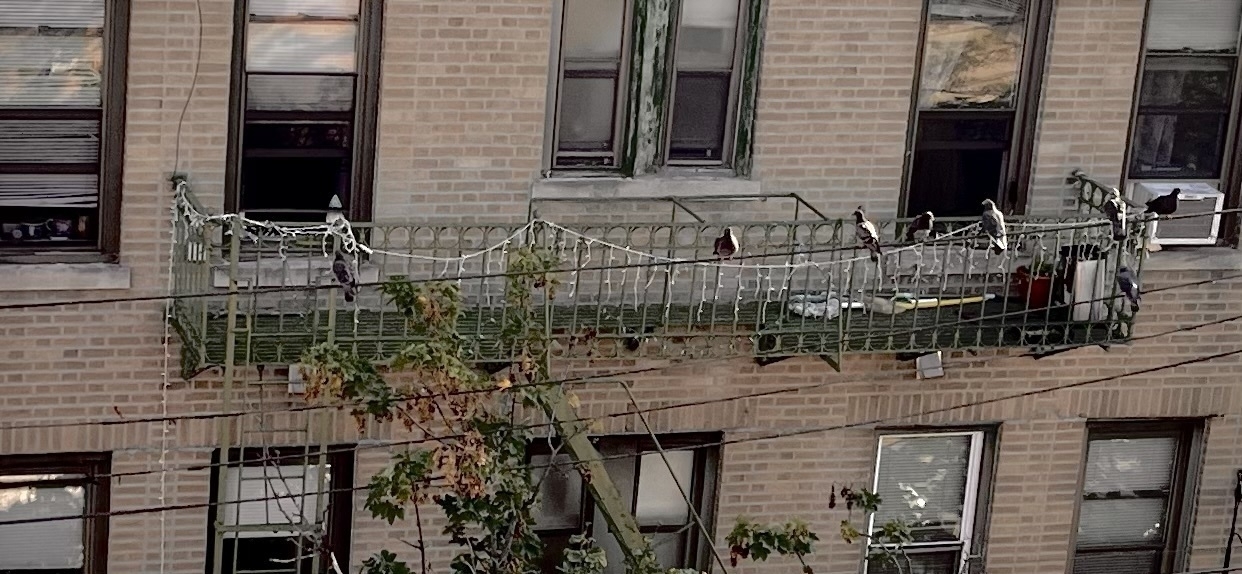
pixel 993 224
pixel 1165 204
pixel 867 234
pixel 1115 208
pixel 344 273
pixel 726 245
pixel 1129 287
pixel 921 228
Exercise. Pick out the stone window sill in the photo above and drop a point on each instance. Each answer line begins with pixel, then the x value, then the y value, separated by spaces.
pixel 673 184
pixel 64 277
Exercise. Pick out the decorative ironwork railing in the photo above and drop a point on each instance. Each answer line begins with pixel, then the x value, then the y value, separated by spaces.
pixel 657 290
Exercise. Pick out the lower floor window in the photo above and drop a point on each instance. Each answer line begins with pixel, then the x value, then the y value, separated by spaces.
pixel 644 478
pixel 1134 481
pixel 931 482
pixel 65 494
pixel 281 511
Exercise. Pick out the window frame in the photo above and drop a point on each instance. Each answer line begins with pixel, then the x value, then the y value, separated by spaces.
pixel 732 109
pixel 1230 181
pixel 339 500
pixel 1013 193
pixel 976 509
pixel 96 468
pixel 704 488
pixel 634 123
pixel 107 242
pixel 365 115
pixel 1179 512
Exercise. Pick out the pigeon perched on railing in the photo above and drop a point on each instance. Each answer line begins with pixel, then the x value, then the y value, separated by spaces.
pixel 867 234
pixel 993 224
pixel 921 228
pixel 1165 204
pixel 344 273
pixel 1129 287
pixel 1115 208
pixel 726 245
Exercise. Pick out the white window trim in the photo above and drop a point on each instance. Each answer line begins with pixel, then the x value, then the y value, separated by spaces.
pixel 973 476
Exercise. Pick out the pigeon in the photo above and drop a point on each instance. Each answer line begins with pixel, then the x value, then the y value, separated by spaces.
pixel 725 245
pixel 866 234
pixel 1115 208
pixel 344 273
pixel 1165 204
pixel 634 341
pixel 993 223
pixel 921 228
pixel 1129 287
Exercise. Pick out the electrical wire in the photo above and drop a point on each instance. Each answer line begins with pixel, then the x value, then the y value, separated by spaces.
pixel 618 414
pixel 591 378
pixel 784 433
pixel 297 288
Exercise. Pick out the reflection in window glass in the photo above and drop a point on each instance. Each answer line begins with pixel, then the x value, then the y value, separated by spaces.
pixel 1183 110
pixel 706 38
pixel 591 37
pixel 972 54
pixel 923 482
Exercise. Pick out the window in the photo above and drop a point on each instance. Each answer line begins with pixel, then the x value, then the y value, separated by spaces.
pixel 62 104
pixel 641 475
pixel 932 482
pixel 65 487
pixel 1182 115
pixel 299 533
pixel 604 118
pixel 977 90
pixel 1133 490
pixel 307 85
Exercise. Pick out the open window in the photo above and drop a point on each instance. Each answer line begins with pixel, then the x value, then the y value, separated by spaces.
pixel 280 511
pixel 306 81
pixel 62 108
pixel 69 493
pixel 978 85
pixel 641 476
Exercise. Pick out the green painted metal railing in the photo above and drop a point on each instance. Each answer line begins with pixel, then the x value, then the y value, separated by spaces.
pixel 655 289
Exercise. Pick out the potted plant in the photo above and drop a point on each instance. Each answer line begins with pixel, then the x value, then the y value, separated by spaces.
pixel 1034 284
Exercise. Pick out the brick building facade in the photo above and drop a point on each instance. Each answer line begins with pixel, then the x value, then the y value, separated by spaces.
pixel 461 100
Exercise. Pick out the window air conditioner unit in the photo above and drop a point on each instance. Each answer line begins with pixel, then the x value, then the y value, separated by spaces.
pixel 1195 197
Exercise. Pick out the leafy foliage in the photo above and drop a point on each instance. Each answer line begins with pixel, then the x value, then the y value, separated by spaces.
pixel 475 470
pixel 794 538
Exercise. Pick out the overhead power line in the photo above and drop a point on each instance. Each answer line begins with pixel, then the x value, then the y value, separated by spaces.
pixel 794 389
pixel 781 434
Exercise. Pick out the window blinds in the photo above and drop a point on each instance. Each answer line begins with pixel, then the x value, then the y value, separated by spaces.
pixel 1126 489
pixel 922 481
pixel 276 494
pixel 56 544
pixel 51 59
pixel 1201 25
pixel 660 501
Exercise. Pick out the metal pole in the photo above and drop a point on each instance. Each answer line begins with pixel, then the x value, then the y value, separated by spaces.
pixel 1233 524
